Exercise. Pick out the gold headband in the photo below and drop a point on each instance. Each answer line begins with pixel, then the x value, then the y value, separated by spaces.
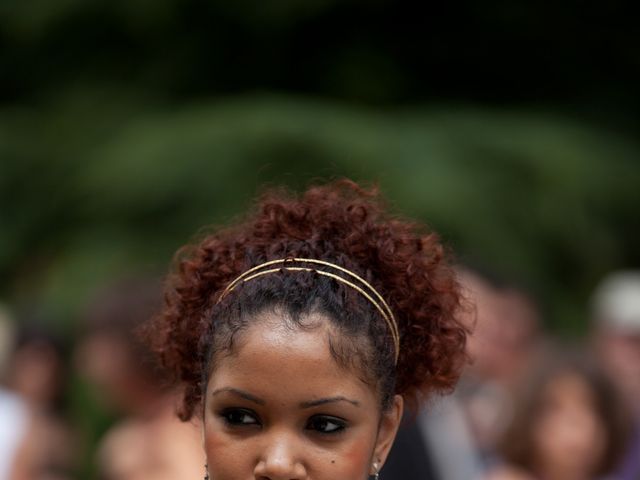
pixel 373 296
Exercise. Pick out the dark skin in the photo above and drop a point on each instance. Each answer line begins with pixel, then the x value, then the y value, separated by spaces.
pixel 281 408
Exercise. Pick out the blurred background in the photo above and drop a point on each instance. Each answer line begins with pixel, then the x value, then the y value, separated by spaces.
pixel 126 126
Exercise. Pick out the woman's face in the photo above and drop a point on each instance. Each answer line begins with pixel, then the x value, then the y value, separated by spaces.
pixel 281 408
pixel 569 436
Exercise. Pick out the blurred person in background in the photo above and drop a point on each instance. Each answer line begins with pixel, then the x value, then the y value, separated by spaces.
pixel 434 445
pixel 569 423
pixel 37 370
pixel 507 336
pixel 36 374
pixel 14 418
pixel 149 442
pixel 616 336
pixel 456 438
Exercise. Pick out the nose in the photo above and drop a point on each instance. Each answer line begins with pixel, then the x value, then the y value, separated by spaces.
pixel 281 460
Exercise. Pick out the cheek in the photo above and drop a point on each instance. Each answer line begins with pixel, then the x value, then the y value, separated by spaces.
pixel 352 460
pixel 214 442
pixel 356 461
pixel 227 458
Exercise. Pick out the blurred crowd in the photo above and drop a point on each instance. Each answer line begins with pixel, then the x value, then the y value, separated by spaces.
pixel 531 406
pixel 528 407
pixel 146 441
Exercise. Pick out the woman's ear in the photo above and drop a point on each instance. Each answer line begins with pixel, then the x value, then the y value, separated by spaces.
pixel 389 424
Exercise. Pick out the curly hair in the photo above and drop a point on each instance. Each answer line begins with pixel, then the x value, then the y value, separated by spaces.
pixel 338 222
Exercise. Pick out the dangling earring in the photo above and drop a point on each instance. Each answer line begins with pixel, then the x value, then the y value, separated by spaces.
pixel 376 475
pixel 206 472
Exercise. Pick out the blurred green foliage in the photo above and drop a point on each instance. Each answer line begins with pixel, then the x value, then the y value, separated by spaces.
pixel 126 125
pixel 537 196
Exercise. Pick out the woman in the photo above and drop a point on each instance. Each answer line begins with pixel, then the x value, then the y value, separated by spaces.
pixel 300 334
pixel 568 425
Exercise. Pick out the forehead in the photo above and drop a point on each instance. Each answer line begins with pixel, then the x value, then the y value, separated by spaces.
pixel 274 356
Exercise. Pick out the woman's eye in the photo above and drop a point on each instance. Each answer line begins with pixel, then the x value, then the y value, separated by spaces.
pixel 326 424
pixel 238 416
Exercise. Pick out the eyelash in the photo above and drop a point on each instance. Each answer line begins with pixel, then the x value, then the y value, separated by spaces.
pixel 338 424
pixel 228 414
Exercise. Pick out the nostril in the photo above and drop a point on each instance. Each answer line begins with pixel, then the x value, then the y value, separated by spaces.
pixel 278 470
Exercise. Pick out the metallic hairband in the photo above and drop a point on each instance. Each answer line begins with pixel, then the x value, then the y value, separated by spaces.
pixel 373 296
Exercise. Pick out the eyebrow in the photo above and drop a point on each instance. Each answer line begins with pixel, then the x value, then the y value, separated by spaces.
pixel 239 393
pixel 259 401
pixel 324 401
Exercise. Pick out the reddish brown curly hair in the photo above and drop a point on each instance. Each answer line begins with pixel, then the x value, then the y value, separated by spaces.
pixel 339 222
